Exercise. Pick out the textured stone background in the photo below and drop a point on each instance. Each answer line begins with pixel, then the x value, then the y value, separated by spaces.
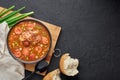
pixel 90 32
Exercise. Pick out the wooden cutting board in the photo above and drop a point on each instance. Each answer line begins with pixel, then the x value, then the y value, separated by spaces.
pixel 55 32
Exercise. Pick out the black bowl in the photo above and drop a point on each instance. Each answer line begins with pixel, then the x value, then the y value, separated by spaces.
pixel 35 61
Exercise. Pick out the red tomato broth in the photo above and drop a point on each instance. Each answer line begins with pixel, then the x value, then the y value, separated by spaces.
pixel 29 41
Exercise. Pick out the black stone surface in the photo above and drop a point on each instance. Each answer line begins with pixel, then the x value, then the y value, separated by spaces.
pixel 90 32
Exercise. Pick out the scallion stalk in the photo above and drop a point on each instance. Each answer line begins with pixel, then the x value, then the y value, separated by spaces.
pixel 11 14
pixel 11 18
pixel 4 11
pixel 17 18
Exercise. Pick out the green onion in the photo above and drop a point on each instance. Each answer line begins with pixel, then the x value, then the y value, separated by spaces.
pixel 11 14
pixel 17 18
pixel 11 18
pixel 4 11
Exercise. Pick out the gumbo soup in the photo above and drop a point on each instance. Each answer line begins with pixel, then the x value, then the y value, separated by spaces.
pixel 29 41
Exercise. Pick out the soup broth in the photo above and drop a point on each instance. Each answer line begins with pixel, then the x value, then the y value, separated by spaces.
pixel 29 41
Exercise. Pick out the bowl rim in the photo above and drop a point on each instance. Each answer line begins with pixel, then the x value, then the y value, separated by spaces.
pixel 35 61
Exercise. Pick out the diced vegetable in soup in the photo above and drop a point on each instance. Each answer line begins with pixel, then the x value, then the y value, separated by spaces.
pixel 29 40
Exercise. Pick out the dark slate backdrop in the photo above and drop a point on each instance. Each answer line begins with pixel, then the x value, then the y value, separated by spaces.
pixel 90 32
